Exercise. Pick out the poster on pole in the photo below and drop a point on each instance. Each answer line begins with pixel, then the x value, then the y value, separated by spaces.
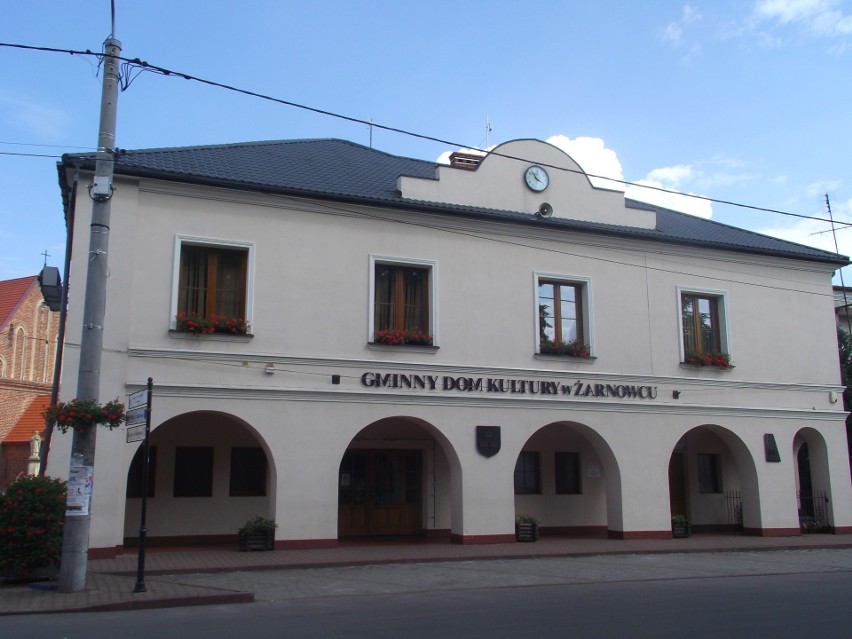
pixel 80 479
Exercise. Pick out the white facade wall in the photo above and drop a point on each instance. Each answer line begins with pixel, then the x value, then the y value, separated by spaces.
pixel 309 308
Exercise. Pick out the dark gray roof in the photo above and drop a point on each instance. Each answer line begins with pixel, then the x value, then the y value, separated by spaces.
pixel 342 170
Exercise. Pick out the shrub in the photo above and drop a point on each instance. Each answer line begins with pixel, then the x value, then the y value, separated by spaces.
pixel 32 516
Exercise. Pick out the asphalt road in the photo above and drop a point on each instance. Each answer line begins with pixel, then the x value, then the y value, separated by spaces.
pixel 758 594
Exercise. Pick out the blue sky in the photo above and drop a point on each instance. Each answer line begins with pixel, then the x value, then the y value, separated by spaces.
pixel 743 101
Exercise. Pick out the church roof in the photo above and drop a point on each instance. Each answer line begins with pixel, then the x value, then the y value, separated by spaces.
pixel 31 421
pixel 12 294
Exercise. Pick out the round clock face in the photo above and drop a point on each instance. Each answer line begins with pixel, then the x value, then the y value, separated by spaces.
pixel 536 178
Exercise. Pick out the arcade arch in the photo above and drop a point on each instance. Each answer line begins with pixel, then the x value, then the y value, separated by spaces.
pixel 812 481
pixel 567 477
pixel 398 476
pixel 713 481
pixel 212 471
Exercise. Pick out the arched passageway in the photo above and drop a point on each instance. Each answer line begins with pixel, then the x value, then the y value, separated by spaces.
pixel 396 478
pixel 713 481
pixel 567 478
pixel 812 481
pixel 209 473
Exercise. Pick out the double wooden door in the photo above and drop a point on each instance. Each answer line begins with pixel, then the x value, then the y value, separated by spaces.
pixel 380 493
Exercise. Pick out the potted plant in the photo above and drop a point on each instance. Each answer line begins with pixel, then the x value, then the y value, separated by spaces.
pixel 680 526
pixel 526 528
pixel 257 534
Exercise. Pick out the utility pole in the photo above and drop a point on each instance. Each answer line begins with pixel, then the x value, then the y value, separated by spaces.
pixel 75 539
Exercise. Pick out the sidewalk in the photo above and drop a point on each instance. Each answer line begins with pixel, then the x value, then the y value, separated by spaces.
pixel 111 582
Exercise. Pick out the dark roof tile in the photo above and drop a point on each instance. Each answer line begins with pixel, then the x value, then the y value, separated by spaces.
pixel 339 169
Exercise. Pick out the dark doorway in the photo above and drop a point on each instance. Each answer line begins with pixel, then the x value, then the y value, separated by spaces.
pixel 677 485
pixel 380 493
pixel 806 488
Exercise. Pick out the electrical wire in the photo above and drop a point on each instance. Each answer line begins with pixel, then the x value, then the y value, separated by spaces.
pixel 340 210
pixel 131 63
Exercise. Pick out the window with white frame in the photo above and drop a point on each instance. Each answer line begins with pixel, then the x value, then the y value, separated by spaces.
pixel 703 320
pixel 212 278
pixel 563 320
pixel 402 308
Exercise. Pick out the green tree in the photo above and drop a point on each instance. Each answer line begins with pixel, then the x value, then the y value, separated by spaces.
pixel 844 347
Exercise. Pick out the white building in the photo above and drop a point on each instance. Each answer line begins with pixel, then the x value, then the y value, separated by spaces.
pixel 327 248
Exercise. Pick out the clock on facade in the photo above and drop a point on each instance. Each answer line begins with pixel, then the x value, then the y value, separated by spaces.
pixel 536 178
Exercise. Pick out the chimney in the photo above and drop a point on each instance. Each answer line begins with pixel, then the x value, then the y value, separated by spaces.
pixel 467 161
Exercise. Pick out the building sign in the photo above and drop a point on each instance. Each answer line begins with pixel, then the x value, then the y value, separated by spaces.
pixel 506 386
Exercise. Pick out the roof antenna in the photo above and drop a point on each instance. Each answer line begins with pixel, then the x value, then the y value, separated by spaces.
pixel 370 124
pixel 487 130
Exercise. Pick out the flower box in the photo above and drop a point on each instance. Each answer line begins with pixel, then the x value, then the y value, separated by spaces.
pixel 564 349
pixel 715 359
pixel 257 534
pixel 402 337
pixel 196 324
pixel 526 528
pixel 261 540
pixel 680 527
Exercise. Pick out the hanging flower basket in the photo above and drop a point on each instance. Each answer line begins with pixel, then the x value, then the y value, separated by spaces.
pixel 81 414
pixel 195 324
pixel 403 336
pixel 716 358
pixel 573 348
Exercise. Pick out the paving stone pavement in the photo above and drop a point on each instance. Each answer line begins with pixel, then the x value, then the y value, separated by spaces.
pixel 216 575
pixel 279 585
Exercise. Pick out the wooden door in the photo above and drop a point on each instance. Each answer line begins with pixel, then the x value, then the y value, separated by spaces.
pixel 380 493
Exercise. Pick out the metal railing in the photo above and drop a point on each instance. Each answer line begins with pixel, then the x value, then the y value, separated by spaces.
pixel 813 510
pixel 734 508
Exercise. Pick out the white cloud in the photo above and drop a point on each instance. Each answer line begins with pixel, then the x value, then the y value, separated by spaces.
pixel 683 202
pixel 819 18
pixel 675 31
pixel 444 158
pixel 594 158
pixel 670 178
pixel 818 234
pixel 813 233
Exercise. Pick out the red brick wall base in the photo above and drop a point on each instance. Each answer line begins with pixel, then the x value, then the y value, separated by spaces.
pixel 475 540
pixel 639 534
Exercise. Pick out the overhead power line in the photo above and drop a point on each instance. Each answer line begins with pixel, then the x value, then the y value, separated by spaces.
pixel 136 63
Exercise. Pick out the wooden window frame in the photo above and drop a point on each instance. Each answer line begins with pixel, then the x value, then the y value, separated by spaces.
pixel 523 473
pixel 718 317
pixel 574 486
pixel 583 301
pixel 189 466
pixel 249 484
pixel 709 473
pixel 213 246
pixel 429 312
